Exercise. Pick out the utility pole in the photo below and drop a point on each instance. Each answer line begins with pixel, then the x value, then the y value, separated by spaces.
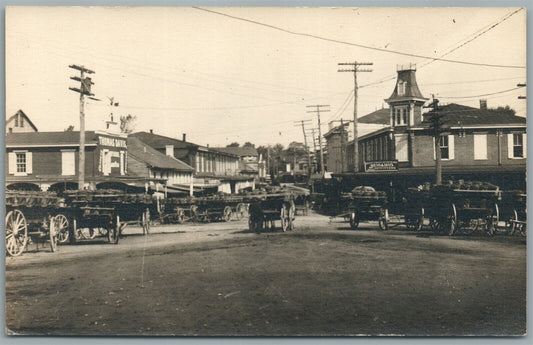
pixel 436 125
pixel 84 90
pixel 355 69
pixel 303 122
pixel 342 146
pixel 521 85
pixel 317 111
pixel 314 142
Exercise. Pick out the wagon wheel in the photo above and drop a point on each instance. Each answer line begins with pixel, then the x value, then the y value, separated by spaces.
pixel 383 220
pixel 227 214
pixel 146 221
pixel 52 234
pixel 16 232
pixel 238 211
pixel 113 230
pixel 62 228
pixel 284 218
pixel 452 220
pixel 180 215
pixel 354 221
pixel 492 219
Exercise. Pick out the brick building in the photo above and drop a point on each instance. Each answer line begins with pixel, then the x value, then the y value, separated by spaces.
pixel 43 160
pixel 476 144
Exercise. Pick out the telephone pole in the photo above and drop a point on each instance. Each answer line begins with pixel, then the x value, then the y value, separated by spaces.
pixel 318 109
pixel 355 69
pixel 303 122
pixel 314 144
pixel 84 90
pixel 436 126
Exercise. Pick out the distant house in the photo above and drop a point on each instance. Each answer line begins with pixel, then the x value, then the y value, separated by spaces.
pixel 43 160
pixel 250 162
pixel 20 123
pixel 147 162
pixel 213 169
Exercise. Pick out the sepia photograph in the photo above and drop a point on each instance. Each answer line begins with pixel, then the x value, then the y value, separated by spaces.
pixel 265 171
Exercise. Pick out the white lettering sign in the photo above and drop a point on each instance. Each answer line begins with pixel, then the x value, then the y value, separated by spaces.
pixel 113 142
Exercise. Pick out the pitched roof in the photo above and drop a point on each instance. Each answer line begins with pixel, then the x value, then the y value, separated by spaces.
pixel 144 153
pixel 49 138
pixel 381 116
pixel 20 112
pixel 159 141
pixel 239 151
pixel 462 115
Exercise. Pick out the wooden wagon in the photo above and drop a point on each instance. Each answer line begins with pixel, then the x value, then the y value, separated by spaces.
pixel 38 216
pixel 108 212
pixel 365 204
pixel 465 207
pixel 267 208
pixel 204 209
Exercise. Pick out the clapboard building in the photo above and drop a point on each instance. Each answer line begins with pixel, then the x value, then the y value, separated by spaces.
pixel 475 143
pixel 49 160
pixel 214 171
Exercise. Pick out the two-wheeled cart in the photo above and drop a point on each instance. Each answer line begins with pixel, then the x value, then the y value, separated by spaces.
pixel 267 208
pixel 35 217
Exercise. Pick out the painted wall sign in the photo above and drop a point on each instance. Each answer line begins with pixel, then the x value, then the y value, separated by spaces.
pixel 112 142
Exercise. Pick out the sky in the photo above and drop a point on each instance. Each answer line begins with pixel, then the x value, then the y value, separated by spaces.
pixel 237 74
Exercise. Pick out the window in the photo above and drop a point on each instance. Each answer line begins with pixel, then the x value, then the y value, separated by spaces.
pixel 400 116
pixel 21 162
pixel 16 121
pixel 444 147
pixel 401 88
pixel 480 146
pixel 402 153
pixel 68 159
pixel 21 121
pixel 518 146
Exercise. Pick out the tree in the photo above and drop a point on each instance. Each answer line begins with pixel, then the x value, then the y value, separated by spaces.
pixel 70 128
pixel 248 144
pixel 127 123
pixel 233 144
pixel 507 109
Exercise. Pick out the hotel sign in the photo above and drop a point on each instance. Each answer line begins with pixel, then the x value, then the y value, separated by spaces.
pixel 112 142
pixel 381 166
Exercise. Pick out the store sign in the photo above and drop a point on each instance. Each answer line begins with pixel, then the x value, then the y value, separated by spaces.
pixel 112 142
pixel 381 166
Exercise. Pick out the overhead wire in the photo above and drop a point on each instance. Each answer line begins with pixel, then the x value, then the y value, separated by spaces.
pixel 355 44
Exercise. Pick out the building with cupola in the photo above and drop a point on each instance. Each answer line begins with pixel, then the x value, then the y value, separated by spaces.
pixel 481 144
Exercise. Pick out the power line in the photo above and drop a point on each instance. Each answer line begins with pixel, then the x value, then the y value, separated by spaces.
pixel 356 44
pixel 486 94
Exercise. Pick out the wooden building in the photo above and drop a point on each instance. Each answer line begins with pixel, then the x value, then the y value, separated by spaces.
pixel 20 123
pixel 43 160
pixel 146 162
pixel 213 170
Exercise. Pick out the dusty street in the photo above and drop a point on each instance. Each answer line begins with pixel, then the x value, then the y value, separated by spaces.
pixel 321 279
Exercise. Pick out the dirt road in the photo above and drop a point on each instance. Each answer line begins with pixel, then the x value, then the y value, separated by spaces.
pixel 321 279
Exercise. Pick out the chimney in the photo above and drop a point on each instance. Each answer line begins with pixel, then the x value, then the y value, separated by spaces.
pixel 483 104
pixel 207 145
pixel 169 150
pixel 151 131
pixel 184 136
